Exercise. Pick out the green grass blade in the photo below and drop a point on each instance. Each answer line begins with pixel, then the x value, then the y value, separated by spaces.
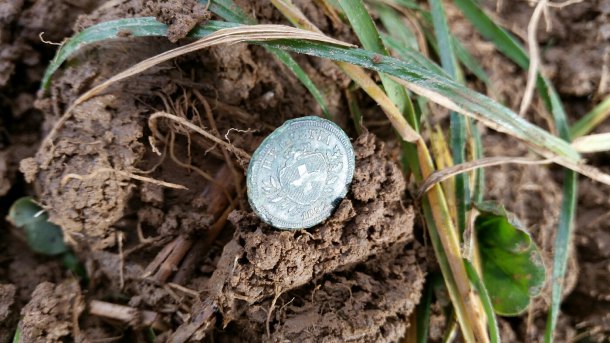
pixel 562 244
pixel 587 123
pixel 504 41
pixel 137 27
pixel 479 180
pixel 414 56
pixel 470 62
pixel 443 38
pixel 365 29
pixel 146 26
pixel 494 332
pixel 458 122
pixel 396 28
pixel 565 227
pixel 229 11
pixel 410 4
pixel 291 64
pixel 17 336
pixel 422 323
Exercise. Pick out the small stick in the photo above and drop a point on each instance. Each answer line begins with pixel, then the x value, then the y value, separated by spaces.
pixel 203 320
pixel 161 256
pixel 126 314
pixel 202 246
pixel 183 245
pixel 170 256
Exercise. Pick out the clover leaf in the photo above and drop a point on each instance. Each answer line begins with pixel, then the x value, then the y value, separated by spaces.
pixel 512 267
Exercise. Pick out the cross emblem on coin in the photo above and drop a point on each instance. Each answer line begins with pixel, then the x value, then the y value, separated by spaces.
pixel 304 175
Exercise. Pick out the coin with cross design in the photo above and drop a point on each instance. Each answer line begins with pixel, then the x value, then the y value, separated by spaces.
pixel 300 173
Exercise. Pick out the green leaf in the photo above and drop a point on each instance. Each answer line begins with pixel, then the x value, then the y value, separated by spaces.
pixel 43 236
pixel 24 212
pixel 513 271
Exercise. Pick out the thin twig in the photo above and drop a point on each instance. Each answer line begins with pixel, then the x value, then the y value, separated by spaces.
pixel 126 314
pixel 161 256
pixel 168 266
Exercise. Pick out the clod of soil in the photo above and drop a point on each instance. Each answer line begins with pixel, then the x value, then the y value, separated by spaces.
pixel 101 142
pixel 370 302
pixel 50 315
pixel 325 265
pixel 8 315
pixel 181 16
pixel 261 261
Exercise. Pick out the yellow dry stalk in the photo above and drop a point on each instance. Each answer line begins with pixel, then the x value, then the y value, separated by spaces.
pixel 443 159
pixel 466 302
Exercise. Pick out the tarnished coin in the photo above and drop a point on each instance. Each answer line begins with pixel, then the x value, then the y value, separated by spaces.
pixel 300 173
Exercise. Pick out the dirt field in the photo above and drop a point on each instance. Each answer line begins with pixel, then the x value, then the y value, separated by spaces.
pixel 197 262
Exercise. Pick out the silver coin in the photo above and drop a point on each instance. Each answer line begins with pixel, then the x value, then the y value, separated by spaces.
pixel 300 173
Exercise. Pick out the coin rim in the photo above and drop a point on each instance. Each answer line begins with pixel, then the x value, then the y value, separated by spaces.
pixel 351 162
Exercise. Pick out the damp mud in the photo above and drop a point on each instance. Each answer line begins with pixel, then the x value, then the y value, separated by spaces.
pixel 157 214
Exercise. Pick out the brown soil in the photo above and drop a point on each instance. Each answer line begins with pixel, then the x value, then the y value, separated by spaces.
pixel 50 315
pixel 198 260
